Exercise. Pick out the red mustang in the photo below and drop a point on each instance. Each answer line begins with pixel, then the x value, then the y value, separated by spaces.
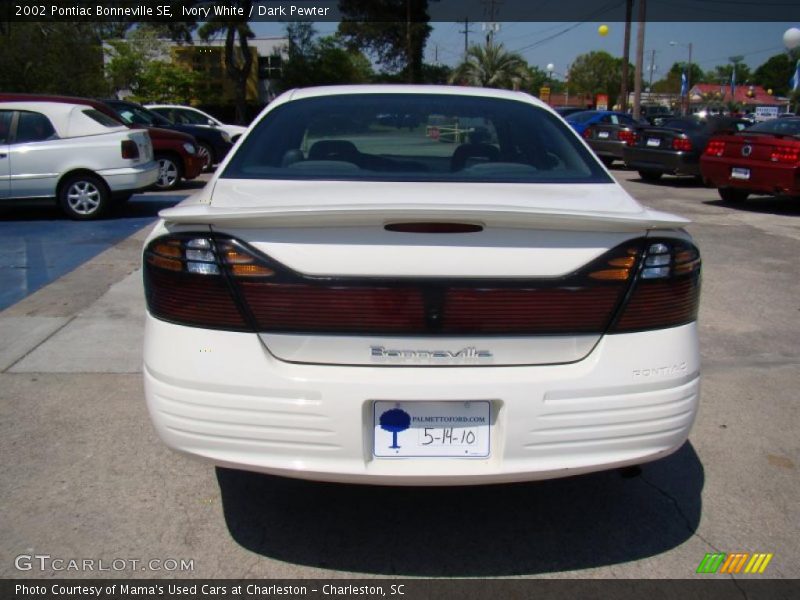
pixel 764 159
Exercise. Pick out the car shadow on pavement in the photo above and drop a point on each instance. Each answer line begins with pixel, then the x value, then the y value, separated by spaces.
pixel 471 531
pixel 768 205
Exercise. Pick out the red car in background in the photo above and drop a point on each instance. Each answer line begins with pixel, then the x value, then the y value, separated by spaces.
pixel 175 152
pixel 764 159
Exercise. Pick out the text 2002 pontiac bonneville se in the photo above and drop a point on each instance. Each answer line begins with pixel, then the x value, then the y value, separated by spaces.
pixel 419 285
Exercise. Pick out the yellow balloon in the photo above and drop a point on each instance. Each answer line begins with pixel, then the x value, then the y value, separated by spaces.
pixel 769 91
pixel 603 30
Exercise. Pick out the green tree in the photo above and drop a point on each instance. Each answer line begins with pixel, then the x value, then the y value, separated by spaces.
pixel 140 65
pixel 598 72
pixel 671 84
pixel 776 72
pixel 325 61
pixel 394 31
pixel 491 66
pixel 238 57
pixel 52 58
pixel 722 74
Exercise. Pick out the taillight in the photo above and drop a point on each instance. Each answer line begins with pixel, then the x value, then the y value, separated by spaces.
pixel 629 137
pixel 220 283
pixel 715 148
pixel 667 288
pixel 681 144
pixel 785 154
pixel 130 149
pixel 588 133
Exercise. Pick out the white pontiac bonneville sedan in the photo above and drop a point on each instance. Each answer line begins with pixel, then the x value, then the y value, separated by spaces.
pixel 419 285
pixel 73 153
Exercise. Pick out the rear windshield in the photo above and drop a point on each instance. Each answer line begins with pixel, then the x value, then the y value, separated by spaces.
pixel 413 137
pixel 778 126
pixel 104 120
pixel 581 117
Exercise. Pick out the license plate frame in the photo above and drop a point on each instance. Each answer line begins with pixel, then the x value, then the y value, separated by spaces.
pixel 433 429
pixel 603 135
pixel 740 173
pixel 653 142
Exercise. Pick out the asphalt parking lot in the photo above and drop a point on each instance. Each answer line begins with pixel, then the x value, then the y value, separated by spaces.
pixel 84 475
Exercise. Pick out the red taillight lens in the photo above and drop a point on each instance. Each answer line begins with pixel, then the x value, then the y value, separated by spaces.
pixel 667 289
pixel 785 154
pixel 629 137
pixel 220 283
pixel 588 133
pixel 715 148
pixel 129 149
pixel 682 144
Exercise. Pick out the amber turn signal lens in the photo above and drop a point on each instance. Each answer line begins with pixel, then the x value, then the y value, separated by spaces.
pixel 611 274
pixel 626 262
pixel 251 271
pixel 170 248
pixel 165 263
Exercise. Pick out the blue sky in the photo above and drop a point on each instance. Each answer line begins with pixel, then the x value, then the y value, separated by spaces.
pixel 712 43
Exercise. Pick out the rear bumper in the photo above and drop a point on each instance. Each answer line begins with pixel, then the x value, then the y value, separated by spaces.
pixel 223 397
pixel 663 161
pixel 765 177
pixel 608 148
pixel 130 179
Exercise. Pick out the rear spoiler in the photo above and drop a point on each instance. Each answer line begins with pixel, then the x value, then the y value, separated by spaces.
pixel 359 215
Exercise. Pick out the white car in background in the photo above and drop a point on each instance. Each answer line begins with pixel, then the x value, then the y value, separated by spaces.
pixel 187 115
pixel 419 285
pixel 73 153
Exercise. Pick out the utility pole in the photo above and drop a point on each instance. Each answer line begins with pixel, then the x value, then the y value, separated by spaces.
pixel 466 31
pixel 637 84
pixel 652 68
pixel 626 56
pixel 491 7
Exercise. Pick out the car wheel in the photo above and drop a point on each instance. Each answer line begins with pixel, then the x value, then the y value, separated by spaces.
pixel 607 162
pixel 206 155
pixel 169 173
pixel 84 197
pixel 732 196
pixel 650 175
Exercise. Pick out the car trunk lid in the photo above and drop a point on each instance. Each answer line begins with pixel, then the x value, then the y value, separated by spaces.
pixel 513 289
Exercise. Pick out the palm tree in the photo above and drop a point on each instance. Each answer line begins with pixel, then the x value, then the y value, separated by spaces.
pixel 491 66
pixel 238 58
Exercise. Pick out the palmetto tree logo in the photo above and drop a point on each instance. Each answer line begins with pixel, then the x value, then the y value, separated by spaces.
pixel 395 421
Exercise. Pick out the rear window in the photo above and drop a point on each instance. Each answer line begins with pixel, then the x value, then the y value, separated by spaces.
pixel 104 120
pixel 778 126
pixel 413 137
pixel 581 117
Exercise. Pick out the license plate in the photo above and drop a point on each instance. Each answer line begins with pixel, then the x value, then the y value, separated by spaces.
pixel 654 142
pixel 602 134
pixel 431 429
pixel 739 173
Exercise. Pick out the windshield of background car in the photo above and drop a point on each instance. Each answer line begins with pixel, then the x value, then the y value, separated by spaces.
pixel 140 116
pixel 778 127
pixel 413 137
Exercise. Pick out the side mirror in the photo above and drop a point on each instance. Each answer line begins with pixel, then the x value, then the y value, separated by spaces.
pixel 212 123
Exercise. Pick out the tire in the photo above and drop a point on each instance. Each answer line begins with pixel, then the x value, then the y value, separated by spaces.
pixel 607 161
pixel 650 175
pixel 732 196
pixel 84 197
pixel 170 172
pixel 205 152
